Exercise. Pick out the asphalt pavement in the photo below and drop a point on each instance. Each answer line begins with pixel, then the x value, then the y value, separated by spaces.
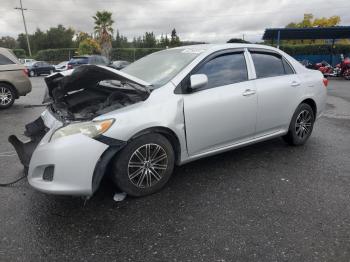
pixel 265 202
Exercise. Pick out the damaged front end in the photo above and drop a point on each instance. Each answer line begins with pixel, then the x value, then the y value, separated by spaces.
pixel 72 97
pixel 90 91
pixel 35 131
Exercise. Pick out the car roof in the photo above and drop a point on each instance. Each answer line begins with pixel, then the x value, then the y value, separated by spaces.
pixel 217 47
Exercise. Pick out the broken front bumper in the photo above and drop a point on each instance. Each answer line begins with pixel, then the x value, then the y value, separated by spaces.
pixel 72 165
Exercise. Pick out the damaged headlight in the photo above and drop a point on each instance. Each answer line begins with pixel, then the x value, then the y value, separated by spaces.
pixel 90 129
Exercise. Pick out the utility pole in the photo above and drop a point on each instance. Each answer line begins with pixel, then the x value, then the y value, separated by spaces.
pixel 25 26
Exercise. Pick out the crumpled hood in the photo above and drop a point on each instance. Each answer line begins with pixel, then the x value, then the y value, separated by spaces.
pixel 85 77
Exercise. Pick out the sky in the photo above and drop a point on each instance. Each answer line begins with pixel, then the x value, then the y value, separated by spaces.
pixel 212 21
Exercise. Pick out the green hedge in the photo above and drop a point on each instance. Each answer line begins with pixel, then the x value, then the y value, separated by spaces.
pixel 57 55
pixel 131 54
pixel 64 54
pixel 315 49
pixel 20 53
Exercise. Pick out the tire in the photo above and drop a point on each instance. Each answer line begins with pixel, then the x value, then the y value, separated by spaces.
pixel 135 173
pixel 7 96
pixel 301 125
pixel 347 74
pixel 32 73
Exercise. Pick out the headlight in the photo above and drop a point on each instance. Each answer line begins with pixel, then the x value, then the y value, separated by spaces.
pixel 90 129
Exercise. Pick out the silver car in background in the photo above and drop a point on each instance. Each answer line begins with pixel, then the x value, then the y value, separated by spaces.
pixel 14 80
pixel 166 109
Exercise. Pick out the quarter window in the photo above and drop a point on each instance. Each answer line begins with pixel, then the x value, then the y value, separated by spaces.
pixel 225 69
pixel 5 61
pixel 287 68
pixel 268 65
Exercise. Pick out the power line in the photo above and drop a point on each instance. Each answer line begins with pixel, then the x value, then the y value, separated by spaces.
pixel 25 26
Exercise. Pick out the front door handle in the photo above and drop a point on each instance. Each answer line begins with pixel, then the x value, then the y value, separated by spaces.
pixel 295 83
pixel 249 92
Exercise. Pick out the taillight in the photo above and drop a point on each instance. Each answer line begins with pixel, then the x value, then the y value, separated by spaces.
pixel 69 67
pixel 25 71
pixel 325 82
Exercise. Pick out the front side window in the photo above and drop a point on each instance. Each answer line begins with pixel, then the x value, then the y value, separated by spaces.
pixel 225 70
pixel 5 61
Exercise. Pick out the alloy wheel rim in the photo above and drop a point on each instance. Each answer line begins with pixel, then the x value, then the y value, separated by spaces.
pixel 303 124
pixel 5 96
pixel 147 165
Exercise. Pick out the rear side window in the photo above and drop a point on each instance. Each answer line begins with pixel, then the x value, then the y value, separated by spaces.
pixel 225 69
pixel 5 61
pixel 267 64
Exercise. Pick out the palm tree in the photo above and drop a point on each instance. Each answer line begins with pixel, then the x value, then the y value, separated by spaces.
pixel 104 30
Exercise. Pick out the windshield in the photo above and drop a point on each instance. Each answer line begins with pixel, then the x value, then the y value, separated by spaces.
pixel 160 67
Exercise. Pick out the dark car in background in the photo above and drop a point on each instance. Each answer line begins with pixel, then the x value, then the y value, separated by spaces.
pixel 39 68
pixel 87 60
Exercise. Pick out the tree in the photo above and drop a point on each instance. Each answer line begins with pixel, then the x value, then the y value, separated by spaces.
pixel 8 42
pixel 310 21
pixel 327 22
pixel 174 40
pixel 238 40
pixel 149 40
pixel 103 29
pixel 59 37
pixel 22 42
pixel 81 36
pixel 120 41
pixel 89 46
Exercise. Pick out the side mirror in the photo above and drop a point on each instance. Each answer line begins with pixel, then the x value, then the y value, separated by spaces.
pixel 198 81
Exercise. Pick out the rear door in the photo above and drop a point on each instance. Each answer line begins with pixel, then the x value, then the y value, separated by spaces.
pixel 277 87
pixel 225 111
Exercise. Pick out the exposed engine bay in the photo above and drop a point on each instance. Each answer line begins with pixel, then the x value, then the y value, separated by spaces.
pixel 90 91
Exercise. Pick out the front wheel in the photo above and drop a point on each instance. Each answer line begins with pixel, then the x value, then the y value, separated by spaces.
pixel 144 166
pixel 301 125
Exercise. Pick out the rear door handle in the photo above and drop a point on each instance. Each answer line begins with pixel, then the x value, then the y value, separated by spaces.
pixel 295 83
pixel 249 92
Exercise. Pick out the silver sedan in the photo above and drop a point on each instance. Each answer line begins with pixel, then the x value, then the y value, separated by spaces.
pixel 166 109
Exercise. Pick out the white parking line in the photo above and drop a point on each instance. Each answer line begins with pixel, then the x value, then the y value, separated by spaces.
pixel 8 152
pixel 7 155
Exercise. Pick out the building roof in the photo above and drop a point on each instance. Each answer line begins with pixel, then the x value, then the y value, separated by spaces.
pixel 335 32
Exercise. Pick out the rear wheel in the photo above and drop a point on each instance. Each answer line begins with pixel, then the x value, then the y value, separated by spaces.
pixel 144 166
pixel 7 96
pixel 301 125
